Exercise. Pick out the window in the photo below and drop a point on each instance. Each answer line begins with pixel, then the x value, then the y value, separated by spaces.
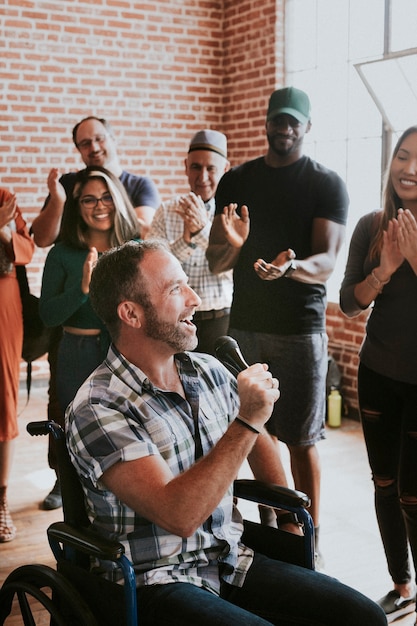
pixel 355 60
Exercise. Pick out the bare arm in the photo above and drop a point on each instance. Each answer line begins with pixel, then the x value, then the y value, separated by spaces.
pixel 265 462
pixel 326 240
pixel 182 503
pixel 46 225
pixel 228 233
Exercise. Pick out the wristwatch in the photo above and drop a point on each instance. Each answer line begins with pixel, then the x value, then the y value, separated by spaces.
pixel 290 269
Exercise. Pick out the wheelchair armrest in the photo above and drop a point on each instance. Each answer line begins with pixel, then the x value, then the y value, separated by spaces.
pixel 270 494
pixel 271 541
pixel 85 541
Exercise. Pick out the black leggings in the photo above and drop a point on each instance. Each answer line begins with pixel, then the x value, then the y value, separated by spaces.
pixel 388 411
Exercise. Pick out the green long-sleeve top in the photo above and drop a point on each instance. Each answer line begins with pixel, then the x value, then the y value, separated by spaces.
pixel 62 303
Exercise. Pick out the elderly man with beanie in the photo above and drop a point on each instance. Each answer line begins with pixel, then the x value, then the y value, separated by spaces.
pixel 185 223
pixel 279 224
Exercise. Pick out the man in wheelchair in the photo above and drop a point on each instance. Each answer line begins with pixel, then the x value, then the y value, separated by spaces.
pixel 157 435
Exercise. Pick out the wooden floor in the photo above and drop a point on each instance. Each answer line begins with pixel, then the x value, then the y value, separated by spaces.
pixel 349 537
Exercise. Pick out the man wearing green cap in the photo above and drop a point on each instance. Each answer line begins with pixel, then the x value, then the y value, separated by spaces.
pixel 185 222
pixel 280 223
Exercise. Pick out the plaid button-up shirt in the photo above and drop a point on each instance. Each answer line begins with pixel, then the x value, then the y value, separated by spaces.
pixel 215 290
pixel 118 415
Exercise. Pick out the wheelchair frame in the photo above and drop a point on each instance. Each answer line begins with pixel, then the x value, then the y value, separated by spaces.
pixel 74 543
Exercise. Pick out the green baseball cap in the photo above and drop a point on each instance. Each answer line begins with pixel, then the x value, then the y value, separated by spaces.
pixel 291 101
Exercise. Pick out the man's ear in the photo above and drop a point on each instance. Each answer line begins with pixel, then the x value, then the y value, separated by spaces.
pixel 308 127
pixel 130 313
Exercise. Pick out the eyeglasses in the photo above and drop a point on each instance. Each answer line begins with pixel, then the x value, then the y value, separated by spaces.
pixel 90 202
pixel 86 143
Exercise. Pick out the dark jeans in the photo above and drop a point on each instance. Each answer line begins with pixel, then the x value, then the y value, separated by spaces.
pixel 389 419
pixel 78 356
pixel 54 410
pixel 273 593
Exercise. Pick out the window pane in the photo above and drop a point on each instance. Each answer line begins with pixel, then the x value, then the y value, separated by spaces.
pixel 393 84
pixel 403 24
pixel 364 184
pixel 300 27
pixel 325 40
pixel 364 119
pixel 366 32
pixel 333 32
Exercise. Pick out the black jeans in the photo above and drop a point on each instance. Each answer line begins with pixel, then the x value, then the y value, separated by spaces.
pixel 388 411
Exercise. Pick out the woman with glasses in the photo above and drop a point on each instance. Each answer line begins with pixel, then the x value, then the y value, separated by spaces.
pixel 97 217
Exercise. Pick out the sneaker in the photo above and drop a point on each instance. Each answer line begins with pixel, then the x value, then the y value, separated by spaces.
pixel 394 606
pixel 53 500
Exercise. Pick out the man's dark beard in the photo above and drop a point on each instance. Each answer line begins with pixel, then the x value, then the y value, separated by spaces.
pixel 157 329
pixel 282 152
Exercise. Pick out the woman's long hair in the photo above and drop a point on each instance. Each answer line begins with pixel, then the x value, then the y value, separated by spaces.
pixel 390 200
pixel 73 228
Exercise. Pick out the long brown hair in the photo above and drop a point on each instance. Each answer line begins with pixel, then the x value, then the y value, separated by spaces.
pixel 73 228
pixel 390 200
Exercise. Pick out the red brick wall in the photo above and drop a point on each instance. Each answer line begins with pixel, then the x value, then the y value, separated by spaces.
pixel 345 338
pixel 253 67
pixel 158 71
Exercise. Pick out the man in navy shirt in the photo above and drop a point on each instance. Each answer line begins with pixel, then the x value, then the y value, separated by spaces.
pixel 95 141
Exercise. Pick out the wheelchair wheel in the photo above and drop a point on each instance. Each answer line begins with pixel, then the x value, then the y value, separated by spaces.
pixel 41 591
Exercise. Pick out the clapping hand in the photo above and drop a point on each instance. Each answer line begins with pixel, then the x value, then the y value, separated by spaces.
pixel 276 269
pixel 55 188
pixel 193 212
pixel 407 235
pixel 391 255
pixel 88 267
pixel 236 228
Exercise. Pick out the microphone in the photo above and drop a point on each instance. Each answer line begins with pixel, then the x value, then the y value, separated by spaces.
pixel 228 352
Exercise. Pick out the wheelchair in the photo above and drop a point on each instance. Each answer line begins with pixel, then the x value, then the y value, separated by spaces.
pixel 73 595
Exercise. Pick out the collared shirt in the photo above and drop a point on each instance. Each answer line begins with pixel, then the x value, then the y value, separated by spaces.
pixel 117 416
pixel 215 290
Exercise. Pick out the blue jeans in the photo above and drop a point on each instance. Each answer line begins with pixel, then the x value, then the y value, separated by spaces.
pixel 389 420
pixel 273 593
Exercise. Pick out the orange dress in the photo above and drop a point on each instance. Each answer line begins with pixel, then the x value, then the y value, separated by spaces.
pixel 11 327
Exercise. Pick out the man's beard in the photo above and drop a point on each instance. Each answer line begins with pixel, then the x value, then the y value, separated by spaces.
pixel 172 334
pixel 282 152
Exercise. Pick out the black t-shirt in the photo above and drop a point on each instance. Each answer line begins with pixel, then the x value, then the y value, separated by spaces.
pixel 282 202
